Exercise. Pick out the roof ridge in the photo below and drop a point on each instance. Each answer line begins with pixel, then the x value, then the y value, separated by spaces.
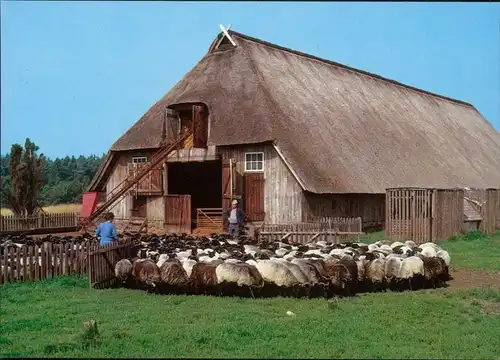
pixel 330 62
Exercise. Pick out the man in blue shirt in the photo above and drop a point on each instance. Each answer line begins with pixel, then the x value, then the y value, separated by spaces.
pixel 106 230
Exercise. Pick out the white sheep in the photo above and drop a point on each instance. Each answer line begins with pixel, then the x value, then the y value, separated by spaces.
pixel 162 259
pixel 410 267
pixel 188 264
pixel 281 252
pixel 337 252
pixel 296 271
pixel 276 272
pixel 372 247
pixel 392 268
pixel 241 274
pixel 443 254
pixel 232 261
pixel 309 269
pixel 410 244
pixel 428 251
pixel 396 244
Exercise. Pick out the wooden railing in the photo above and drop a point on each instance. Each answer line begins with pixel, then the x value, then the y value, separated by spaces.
pixel 329 229
pixel 209 220
pixel 12 223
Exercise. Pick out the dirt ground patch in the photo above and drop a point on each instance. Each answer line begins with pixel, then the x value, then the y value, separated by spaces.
pixel 490 307
pixel 468 279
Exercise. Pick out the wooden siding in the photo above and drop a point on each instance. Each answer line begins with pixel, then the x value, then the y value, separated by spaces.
pixel 156 208
pixel 370 207
pixel 120 172
pixel 283 197
pixel 185 155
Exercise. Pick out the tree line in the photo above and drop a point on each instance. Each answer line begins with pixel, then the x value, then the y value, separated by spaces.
pixel 29 180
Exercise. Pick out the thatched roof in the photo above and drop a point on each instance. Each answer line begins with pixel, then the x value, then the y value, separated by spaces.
pixel 342 130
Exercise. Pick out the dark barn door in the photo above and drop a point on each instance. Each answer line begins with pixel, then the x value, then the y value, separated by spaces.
pixel 178 214
pixel 254 196
pixel 140 206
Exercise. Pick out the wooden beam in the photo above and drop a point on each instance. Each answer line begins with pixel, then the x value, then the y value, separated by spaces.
pixel 286 236
pixel 289 166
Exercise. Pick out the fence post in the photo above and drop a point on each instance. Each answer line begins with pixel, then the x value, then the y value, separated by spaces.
pixel 39 224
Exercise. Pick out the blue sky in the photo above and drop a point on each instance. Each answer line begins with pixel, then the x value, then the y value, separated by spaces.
pixel 75 76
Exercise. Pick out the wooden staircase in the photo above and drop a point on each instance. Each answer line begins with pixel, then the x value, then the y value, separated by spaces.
pixel 137 225
pixel 122 189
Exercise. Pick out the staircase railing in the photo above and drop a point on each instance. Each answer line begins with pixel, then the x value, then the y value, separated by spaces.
pixel 122 188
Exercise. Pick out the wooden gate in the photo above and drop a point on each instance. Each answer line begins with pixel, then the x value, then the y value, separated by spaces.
pixel 178 214
pixel 422 215
pixel 102 261
pixel 254 196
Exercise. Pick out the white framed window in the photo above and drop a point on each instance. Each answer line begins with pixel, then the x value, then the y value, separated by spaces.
pixel 254 161
pixel 139 160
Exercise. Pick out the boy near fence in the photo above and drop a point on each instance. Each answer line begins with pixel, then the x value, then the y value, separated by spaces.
pixel 107 230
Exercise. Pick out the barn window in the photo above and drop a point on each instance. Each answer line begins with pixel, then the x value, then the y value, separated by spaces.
pixel 139 160
pixel 254 161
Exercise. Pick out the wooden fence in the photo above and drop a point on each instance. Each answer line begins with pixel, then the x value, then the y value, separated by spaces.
pixel 41 262
pixel 425 214
pixel 32 263
pixel 102 261
pixel 333 230
pixel 12 223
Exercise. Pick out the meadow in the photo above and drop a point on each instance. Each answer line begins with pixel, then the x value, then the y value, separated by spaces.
pixel 55 209
pixel 46 318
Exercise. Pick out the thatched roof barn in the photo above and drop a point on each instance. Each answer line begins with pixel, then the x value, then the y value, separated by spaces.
pixel 337 129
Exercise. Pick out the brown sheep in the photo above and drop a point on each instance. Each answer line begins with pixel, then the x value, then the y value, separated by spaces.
pixel 339 276
pixel 375 274
pixel 204 279
pixel 173 277
pixel 351 265
pixel 146 272
pixel 434 270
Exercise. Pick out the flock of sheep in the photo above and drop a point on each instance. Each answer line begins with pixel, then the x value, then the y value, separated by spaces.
pixel 223 266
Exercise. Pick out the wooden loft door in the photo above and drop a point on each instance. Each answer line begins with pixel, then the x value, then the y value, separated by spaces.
pixel 254 196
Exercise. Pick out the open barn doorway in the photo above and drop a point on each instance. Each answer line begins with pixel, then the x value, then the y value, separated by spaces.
pixel 201 180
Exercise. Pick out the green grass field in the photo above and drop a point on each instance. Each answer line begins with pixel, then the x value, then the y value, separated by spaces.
pixel 45 319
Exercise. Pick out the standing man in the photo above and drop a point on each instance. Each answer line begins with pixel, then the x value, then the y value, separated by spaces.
pixel 235 217
pixel 107 230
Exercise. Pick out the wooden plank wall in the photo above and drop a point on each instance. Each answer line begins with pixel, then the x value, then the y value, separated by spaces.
pixel 32 263
pixel 488 207
pixel 370 207
pixel 156 208
pixel 283 196
pixel 120 172
pixel 448 213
